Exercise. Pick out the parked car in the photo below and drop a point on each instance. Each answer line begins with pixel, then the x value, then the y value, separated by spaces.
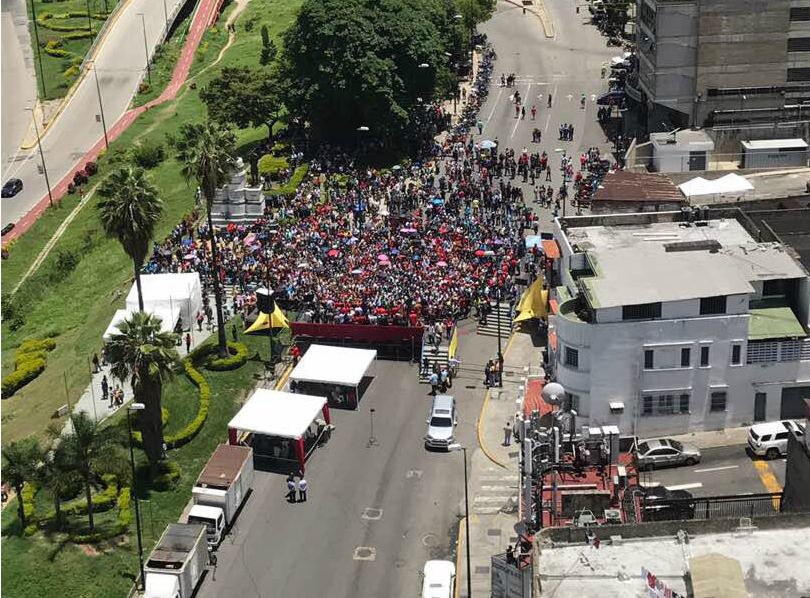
pixel 770 439
pixel 439 579
pixel 442 422
pixel 662 504
pixel 12 187
pixel 605 99
pixel 661 452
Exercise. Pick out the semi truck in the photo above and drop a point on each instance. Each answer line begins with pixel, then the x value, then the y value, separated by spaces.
pixel 220 490
pixel 177 563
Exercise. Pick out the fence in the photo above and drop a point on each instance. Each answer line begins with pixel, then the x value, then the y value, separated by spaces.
pixel 707 508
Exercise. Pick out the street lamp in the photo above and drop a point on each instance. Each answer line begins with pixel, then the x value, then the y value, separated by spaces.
pixel 136 407
pixel 498 297
pixel 146 49
pixel 42 155
pixel 101 107
pixel 458 447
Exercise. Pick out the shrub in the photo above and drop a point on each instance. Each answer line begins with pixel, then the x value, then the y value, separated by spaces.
pixel 124 512
pixel 168 476
pixel 79 35
pixel 28 492
pixel 148 154
pixel 190 431
pixel 66 262
pixel 239 354
pixel 80 178
pixel 272 165
pixel 297 178
pixel 57 53
pixel 29 363
pixel 71 72
pixel 91 168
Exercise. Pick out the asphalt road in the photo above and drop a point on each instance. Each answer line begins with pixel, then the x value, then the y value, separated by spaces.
pixel 120 63
pixel 413 498
pixel 18 81
pixel 722 471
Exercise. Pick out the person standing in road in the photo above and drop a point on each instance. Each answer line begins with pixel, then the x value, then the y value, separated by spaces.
pixel 188 342
pixel 523 113
pixel 507 434
pixel 302 489
pixel 534 111
pixel 105 388
pixel 290 488
pixel 480 125
pixel 96 367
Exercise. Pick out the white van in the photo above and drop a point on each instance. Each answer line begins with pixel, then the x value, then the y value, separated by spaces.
pixel 439 579
pixel 771 439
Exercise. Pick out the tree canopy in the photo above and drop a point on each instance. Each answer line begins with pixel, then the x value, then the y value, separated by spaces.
pixel 365 63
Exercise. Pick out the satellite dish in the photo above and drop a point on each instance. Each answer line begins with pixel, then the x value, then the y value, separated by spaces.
pixel 553 393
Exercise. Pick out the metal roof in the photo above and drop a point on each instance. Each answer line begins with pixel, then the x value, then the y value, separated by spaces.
pixel 224 465
pixel 622 185
pixel 775 144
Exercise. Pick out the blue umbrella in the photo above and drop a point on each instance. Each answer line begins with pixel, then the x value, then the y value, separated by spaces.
pixel 487 144
pixel 534 241
pixel 438 201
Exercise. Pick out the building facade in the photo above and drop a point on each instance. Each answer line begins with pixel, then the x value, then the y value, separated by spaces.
pixel 721 62
pixel 666 325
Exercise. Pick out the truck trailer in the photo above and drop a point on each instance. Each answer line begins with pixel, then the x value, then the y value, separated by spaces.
pixel 178 562
pixel 221 489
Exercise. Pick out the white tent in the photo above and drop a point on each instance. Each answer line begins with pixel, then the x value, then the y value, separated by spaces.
pixel 119 316
pixel 276 413
pixel 169 296
pixel 333 365
pixel 730 184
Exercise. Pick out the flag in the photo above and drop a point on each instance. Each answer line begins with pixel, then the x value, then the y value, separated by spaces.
pixel 451 352
pixel 533 302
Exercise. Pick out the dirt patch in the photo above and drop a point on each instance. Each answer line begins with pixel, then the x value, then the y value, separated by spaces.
pixel 88 549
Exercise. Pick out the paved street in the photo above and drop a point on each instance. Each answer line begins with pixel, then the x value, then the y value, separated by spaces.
pixel 18 85
pixel 722 471
pixel 120 62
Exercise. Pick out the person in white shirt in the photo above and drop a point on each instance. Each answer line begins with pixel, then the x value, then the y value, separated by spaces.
pixel 302 490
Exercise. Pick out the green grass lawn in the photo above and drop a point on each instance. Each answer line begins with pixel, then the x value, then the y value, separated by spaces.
pixel 60 72
pixel 107 570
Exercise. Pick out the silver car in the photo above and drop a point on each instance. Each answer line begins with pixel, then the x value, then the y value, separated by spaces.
pixel 661 452
pixel 442 422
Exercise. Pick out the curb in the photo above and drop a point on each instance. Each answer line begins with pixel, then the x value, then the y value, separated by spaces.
pixel 284 376
pixel 461 525
pixel 541 13
pixel 483 411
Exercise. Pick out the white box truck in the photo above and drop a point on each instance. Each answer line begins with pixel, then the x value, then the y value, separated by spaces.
pixel 221 488
pixel 177 563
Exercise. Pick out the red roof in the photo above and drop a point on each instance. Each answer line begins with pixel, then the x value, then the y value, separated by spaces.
pixel 623 185
pixel 551 249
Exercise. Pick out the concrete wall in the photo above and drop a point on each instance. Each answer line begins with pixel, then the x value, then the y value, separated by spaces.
pixel 797 477
pixel 727 139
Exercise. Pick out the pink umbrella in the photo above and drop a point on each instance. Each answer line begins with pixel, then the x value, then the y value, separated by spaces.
pixel 441 263
pixel 189 256
pixel 332 253
pixel 382 257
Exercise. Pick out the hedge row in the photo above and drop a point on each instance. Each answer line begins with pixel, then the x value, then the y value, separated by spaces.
pixel 28 364
pixel 121 525
pixel 272 165
pixel 28 492
pixel 103 501
pixel 239 356
pixel 191 430
pixel 291 186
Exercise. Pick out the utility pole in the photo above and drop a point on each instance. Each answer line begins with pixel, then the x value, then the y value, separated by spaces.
pixel 146 49
pixel 101 109
pixel 39 51
pixel 42 156
pixel 89 19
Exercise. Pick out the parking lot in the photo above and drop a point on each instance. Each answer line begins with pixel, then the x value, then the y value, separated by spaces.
pixel 722 471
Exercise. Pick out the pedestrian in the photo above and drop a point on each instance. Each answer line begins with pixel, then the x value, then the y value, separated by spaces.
pixel 480 126
pixel 425 365
pixel 548 174
pixel 507 434
pixel 444 376
pixel 534 111
pixel 105 388
pixel 96 367
pixel 488 373
pixel 235 333
pixel 523 113
pixel 188 342
pixel 200 319
pixel 302 489
pixel 434 383
pixel 290 488
pixel 549 100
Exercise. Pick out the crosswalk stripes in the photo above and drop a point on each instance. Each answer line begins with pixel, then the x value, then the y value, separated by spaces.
pixel 491 326
pixel 496 493
pixel 439 357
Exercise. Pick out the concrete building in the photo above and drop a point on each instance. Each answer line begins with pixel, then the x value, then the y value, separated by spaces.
pixel 699 559
pixel 671 326
pixel 721 62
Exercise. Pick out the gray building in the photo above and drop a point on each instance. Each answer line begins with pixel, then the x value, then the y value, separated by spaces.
pixel 721 62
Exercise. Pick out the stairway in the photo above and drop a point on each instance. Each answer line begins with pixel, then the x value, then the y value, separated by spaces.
pixel 491 327
pixel 441 357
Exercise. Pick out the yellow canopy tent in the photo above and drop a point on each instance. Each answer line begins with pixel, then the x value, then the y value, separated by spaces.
pixel 266 321
pixel 533 302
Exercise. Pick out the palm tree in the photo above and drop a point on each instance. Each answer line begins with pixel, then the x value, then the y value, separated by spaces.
pixel 56 471
pixel 147 356
pixel 20 463
pixel 205 152
pixel 129 211
pixel 86 446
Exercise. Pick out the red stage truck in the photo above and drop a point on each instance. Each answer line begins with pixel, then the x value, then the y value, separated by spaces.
pixel 221 488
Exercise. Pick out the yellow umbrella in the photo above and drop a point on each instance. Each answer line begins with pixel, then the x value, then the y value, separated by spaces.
pixel 266 321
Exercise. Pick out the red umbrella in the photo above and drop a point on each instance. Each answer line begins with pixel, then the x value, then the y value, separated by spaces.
pixel 332 253
pixel 480 253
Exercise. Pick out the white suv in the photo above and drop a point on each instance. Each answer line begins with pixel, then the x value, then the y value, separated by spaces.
pixel 770 440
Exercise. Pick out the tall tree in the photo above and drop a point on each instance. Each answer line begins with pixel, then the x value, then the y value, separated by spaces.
pixel 245 97
pixel 145 355
pixel 87 445
pixel 129 211
pixel 20 461
pixel 205 152
pixel 56 471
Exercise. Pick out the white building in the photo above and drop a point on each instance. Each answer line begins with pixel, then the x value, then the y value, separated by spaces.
pixel 665 326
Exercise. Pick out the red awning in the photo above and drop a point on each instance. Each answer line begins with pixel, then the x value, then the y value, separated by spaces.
pixel 551 249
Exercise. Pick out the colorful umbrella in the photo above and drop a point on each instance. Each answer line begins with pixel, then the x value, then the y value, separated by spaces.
pixel 441 264
pixel 332 253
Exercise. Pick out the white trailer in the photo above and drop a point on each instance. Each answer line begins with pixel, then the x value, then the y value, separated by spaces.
pixel 221 488
pixel 177 563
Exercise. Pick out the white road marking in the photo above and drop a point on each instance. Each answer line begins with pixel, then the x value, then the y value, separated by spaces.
pixel 548 122
pixel 495 105
pixel 685 486
pixel 480 499
pixel 716 469
pixel 486 510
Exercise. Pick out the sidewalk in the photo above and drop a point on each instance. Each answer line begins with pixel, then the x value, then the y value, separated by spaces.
pixel 494 475
pixel 715 438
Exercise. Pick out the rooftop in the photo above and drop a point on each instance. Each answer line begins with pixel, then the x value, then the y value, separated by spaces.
pixel 683 138
pixel 775 144
pixel 658 261
pixel 623 185
pixel 776 321
pixel 773 564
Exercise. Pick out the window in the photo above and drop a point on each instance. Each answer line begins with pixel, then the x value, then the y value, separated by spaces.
pixel 772 288
pixel 683 403
pixel 799 44
pixel 718 401
pixel 781 436
pixel 736 351
pixel 686 357
pixel 704 357
pixel 571 357
pixel 649 359
pixel 801 13
pixel 643 311
pixel 665 404
pixel 798 74
pixel 713 305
